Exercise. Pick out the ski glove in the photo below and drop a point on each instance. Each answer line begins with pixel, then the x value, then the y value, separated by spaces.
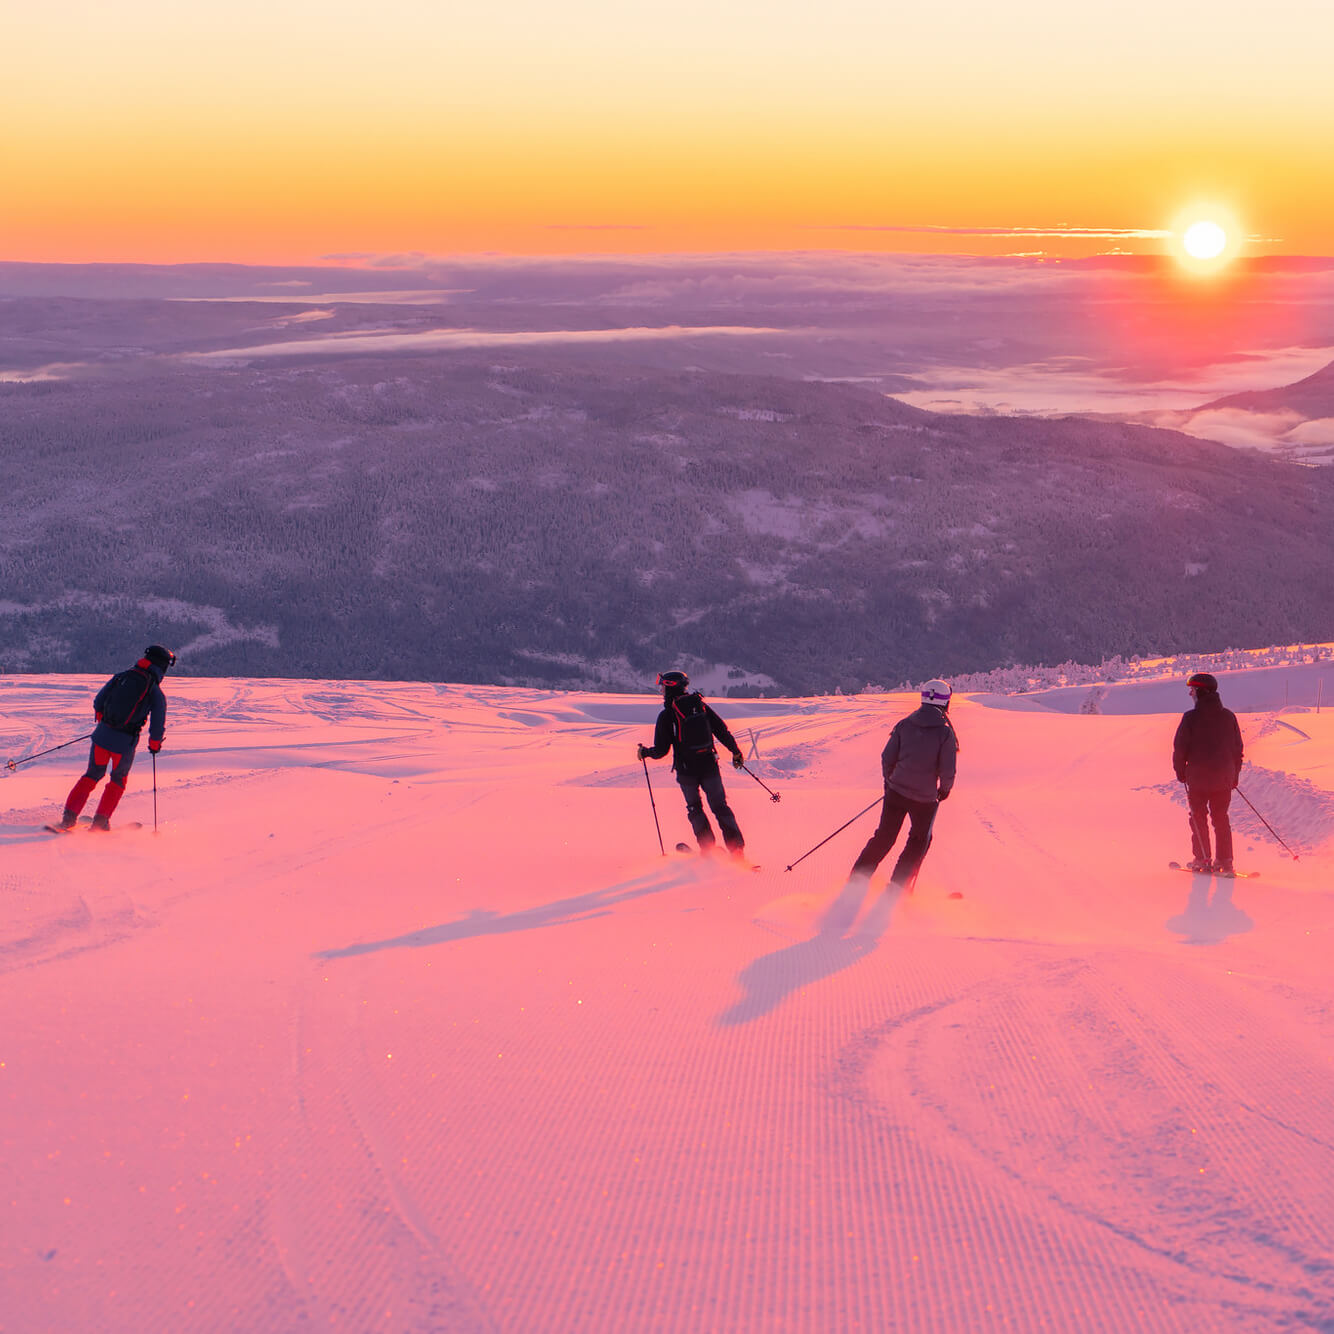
pixel 155 745
pixel 97 713
pixel 944 793
pixel 641 752
pixel 738 760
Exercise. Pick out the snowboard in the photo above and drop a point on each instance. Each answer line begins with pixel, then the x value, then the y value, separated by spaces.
pixel 1227 875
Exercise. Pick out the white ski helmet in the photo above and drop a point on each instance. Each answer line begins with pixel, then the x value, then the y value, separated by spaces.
pixel 937 693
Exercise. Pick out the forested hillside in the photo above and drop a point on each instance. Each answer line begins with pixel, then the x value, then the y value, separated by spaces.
pixel 540 523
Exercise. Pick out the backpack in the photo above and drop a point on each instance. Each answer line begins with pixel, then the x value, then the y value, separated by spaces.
pixel 694 734
pixel 125 693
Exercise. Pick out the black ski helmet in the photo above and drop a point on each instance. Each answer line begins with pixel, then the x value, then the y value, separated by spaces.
pixel 159 656
pixel 1203 681
pixel 673 683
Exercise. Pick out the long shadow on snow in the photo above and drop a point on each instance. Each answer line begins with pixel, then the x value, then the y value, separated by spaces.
pixel 484 922
pixel 771 978
pixel 1205 920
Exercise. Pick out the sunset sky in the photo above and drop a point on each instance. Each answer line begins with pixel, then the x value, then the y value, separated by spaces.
pixel 289 130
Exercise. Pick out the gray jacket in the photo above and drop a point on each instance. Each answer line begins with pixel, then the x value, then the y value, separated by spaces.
pixel 918 760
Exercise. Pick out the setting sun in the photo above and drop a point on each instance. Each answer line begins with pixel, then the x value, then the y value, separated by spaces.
pixel 1204 240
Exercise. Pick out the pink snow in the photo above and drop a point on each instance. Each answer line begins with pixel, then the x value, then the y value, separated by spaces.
pixel 401 1022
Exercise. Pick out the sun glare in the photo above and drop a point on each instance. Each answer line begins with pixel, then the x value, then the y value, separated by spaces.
pixel 1206 237
pixel 1204 240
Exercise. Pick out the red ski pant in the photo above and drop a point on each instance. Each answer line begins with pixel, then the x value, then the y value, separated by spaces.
pixel 98 759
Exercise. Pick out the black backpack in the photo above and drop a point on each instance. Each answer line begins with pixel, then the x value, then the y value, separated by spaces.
pixel 694 735
pixel 126 692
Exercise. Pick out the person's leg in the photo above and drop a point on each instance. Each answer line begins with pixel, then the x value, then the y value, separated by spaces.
pixel 98 759
pixel 1197 801
pixel 1218 810
pixel 699 822
pixel 114 790
pixel 713 789
pixel 880 842
pixel 921 813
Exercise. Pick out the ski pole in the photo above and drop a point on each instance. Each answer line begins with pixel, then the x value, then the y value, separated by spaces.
pixel 1267 825
pixel 773 796
pixel 836 832
pixel 153 753
pixel 11 765
pixel 654 804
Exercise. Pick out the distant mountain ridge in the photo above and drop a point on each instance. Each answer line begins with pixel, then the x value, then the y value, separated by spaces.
pixel 1312 397
pixel 535 522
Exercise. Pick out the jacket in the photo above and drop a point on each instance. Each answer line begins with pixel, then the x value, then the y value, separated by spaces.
pixel 919 759
pixel 1207 750
pixel 664 739
pixel 152 709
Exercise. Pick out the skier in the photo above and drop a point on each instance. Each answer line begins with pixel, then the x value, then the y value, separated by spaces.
pixel 918 764
pixel 1206 757
pixel 129 700
pixel 686 726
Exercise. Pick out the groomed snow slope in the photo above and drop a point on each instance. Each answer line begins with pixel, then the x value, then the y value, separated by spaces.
pixel 402 1023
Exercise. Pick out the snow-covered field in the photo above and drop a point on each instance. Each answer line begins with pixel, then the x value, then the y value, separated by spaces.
pixel 402 1023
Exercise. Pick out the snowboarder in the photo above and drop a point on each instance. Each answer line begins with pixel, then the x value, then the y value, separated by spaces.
pixel 687 726
pixel 129 700
pixel 1206 757
pixel 918 763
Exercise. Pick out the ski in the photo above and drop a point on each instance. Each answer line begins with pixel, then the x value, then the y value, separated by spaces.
pixel 1226 875
pixel 86 825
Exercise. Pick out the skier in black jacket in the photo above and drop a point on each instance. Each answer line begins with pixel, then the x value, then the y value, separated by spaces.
pixel 918 764
pixel 129 700
pixel 686 726
pixel 1206 757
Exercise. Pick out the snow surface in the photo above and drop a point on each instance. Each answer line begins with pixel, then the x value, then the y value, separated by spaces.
pixel 401 1022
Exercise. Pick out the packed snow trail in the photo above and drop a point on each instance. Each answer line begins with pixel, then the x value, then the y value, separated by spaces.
pixel 402 1023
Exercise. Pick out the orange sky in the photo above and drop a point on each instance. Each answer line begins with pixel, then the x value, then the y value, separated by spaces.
pixel 289 130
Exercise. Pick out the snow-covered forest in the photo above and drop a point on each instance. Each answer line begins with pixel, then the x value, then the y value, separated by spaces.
pixel 537 522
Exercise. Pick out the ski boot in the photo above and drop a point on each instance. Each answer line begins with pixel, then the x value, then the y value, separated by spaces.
pixel 102 824
pixel 1224 868
pixel 1201 865
pixel 68 820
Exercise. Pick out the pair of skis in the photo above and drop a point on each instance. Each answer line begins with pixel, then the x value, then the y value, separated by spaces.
pixel 1226 875
pixel 86 823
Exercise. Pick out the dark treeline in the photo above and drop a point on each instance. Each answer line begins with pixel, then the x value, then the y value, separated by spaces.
pixel 543 524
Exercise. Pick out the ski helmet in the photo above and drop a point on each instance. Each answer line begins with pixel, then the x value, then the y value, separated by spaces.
pixel 674 683
pixel 1203 681
pixel 937 693
pixel 159 656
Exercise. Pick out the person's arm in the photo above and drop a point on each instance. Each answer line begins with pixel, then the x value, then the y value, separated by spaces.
pixel 949 754
pixel 662 739
pixel 99 700
pixel 1239 750
pixel 889 757
pixel 1181 748
pixel 720 730
pixel 157 725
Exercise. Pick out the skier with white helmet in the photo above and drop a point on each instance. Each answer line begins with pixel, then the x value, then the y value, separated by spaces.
pixel 918 764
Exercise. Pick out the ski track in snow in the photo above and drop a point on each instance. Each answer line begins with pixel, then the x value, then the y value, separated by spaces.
pixel 402 1024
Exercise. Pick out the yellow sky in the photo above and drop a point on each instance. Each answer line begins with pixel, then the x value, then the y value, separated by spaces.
pixel 287 130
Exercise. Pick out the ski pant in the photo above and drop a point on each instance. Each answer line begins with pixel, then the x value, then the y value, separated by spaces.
pixel 98 759
pixel 1210 803
pixel 710 783
pixel 892 814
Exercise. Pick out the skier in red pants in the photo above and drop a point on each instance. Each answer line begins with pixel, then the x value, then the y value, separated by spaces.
pixel 129 700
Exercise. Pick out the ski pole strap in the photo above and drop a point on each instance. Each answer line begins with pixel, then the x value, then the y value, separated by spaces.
pixel 835 834
pixel 11 765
